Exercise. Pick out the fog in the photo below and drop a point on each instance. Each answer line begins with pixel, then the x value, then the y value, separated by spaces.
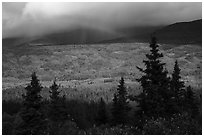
pixel 34 19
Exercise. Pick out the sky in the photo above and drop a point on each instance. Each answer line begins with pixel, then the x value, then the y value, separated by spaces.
pixel 35 19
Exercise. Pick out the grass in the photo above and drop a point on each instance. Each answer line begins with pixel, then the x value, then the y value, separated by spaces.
pixel 82 69
pixel 79 91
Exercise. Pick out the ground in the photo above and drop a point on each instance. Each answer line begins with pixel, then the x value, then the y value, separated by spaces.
pixel 91 71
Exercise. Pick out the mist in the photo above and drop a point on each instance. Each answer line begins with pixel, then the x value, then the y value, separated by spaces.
pixel 35 19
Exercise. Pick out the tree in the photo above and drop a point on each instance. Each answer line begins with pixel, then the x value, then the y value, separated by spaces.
pixel 191 105
pixel 177 89
pixel 57 109
pixel 177 86
pixel 33 119
pixel 120 104
pixel 155 83
pixel 102 117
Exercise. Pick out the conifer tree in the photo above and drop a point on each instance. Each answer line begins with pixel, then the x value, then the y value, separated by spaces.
pixel 177 89
pixel 102 117
pixel 114 109
pixel 120 104
pixel 177 86
pixel 57 109
pixel 33 119
pixel 190 102
pixel 155 83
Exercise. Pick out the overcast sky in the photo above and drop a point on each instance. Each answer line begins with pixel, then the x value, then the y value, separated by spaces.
pixel 31 19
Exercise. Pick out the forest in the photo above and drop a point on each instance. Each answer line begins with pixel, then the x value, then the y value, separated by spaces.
pixel 166 106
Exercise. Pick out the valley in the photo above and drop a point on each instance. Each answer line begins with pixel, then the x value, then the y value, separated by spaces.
pixel 90 69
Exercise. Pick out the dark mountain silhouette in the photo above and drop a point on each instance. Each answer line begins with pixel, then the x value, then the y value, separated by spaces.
pixel 14 44
pixel 77 36
pixel 10 42
pixel 181 33
pixel 178 33
pixel 134 34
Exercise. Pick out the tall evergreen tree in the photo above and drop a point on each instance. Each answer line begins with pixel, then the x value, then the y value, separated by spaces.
pixel 114 109
pixel 31 113
pixel 120 104
pixel 177 89
pixel 57 109
pixel 155 83
pixel 177 86
pixel 191 105
pixel 102 116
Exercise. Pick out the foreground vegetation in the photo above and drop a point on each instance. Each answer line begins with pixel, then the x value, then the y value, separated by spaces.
pixel 165 106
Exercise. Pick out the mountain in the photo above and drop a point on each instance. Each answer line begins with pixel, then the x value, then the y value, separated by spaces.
pixel 75 36
pixel 134 34
pixel 178 33
pixel 11 44
pixel 181 33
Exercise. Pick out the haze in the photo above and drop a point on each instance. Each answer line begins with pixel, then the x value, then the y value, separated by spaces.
pixel 34 19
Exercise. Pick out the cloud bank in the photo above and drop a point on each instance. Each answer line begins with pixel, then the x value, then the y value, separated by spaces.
pixel 34 19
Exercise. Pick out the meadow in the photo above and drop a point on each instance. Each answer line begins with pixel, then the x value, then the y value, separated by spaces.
pixel 87 73
pixel 91 71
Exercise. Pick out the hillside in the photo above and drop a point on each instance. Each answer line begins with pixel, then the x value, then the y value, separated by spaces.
pixel 92 61
pixel 77 36
pixel 181 33
pixel 178 33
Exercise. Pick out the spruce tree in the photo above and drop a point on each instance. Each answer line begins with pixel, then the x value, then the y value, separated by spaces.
pixel 102 117
pixel 177 89
pixel 31 113
pixel 114 109
pixel 155 83
pixel 57 109
pixel 120 104
pixel 191 105
pixel 177 86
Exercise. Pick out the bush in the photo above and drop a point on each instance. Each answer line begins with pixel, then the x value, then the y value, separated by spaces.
pixel 7 124
pixel 179 124
pixel 69 128
pixel 155 127
pixel 116 130
pixel 7 128
pixel 11 106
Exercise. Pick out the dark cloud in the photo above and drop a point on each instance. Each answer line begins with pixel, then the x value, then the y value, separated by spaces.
pixel 31 19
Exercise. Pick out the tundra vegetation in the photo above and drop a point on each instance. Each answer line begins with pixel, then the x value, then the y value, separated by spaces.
pixel 163 105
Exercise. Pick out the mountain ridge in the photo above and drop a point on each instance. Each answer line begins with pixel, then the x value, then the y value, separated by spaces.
pixel 176 33
pixel 181 33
